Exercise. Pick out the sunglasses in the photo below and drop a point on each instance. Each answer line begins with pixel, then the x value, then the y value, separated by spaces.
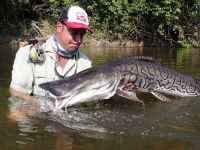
pixel 75 32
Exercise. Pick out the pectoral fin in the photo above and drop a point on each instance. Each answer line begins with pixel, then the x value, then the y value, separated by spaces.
pixel 129 95
pixel 160 96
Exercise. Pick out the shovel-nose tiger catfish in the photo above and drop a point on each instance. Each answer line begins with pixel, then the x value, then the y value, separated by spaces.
pixel 123 77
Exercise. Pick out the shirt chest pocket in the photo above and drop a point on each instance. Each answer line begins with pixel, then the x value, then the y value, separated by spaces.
pixel 43 74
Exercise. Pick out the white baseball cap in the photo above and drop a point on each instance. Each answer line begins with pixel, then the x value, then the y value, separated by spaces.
pixel 75 17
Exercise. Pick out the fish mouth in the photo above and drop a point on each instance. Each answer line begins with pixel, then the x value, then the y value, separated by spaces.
pixel 89 85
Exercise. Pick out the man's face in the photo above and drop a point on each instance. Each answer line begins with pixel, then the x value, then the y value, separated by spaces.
pixel 70 39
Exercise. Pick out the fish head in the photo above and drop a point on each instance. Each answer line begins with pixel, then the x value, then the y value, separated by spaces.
pixel 88 85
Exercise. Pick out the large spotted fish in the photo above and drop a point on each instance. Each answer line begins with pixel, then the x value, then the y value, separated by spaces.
pixel 123 77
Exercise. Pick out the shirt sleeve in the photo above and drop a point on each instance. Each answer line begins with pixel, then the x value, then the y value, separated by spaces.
pixel 22 73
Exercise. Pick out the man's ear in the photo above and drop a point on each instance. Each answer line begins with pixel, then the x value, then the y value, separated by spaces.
pixel 59 26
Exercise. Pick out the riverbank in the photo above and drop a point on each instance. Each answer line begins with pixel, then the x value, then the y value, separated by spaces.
pixel 43 30
pixel 92 42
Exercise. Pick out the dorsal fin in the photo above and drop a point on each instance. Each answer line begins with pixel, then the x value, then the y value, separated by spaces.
pixel 131 59
pixel 145 58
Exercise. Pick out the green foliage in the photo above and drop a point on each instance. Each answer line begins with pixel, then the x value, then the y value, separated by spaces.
pixel 62 2
pixel 172 22
pixel 169 12
pixel 141 19
pixel 116 16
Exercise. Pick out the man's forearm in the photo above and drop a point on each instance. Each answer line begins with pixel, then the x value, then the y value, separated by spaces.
pixel 19 94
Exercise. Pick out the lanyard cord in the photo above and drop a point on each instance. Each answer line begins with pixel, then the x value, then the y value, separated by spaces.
pixel 63 76
pixel 59 51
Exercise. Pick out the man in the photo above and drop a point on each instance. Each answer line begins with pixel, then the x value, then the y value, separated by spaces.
pixel 62 56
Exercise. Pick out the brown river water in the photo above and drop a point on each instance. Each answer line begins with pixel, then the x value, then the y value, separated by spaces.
pixel 116 123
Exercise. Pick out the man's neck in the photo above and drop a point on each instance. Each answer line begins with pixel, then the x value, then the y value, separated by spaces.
pixel 62 60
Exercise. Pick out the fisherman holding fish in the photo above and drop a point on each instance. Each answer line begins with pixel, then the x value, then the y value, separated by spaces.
pixel 57 58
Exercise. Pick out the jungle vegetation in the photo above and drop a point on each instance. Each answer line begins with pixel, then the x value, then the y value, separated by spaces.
pixel 157 22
